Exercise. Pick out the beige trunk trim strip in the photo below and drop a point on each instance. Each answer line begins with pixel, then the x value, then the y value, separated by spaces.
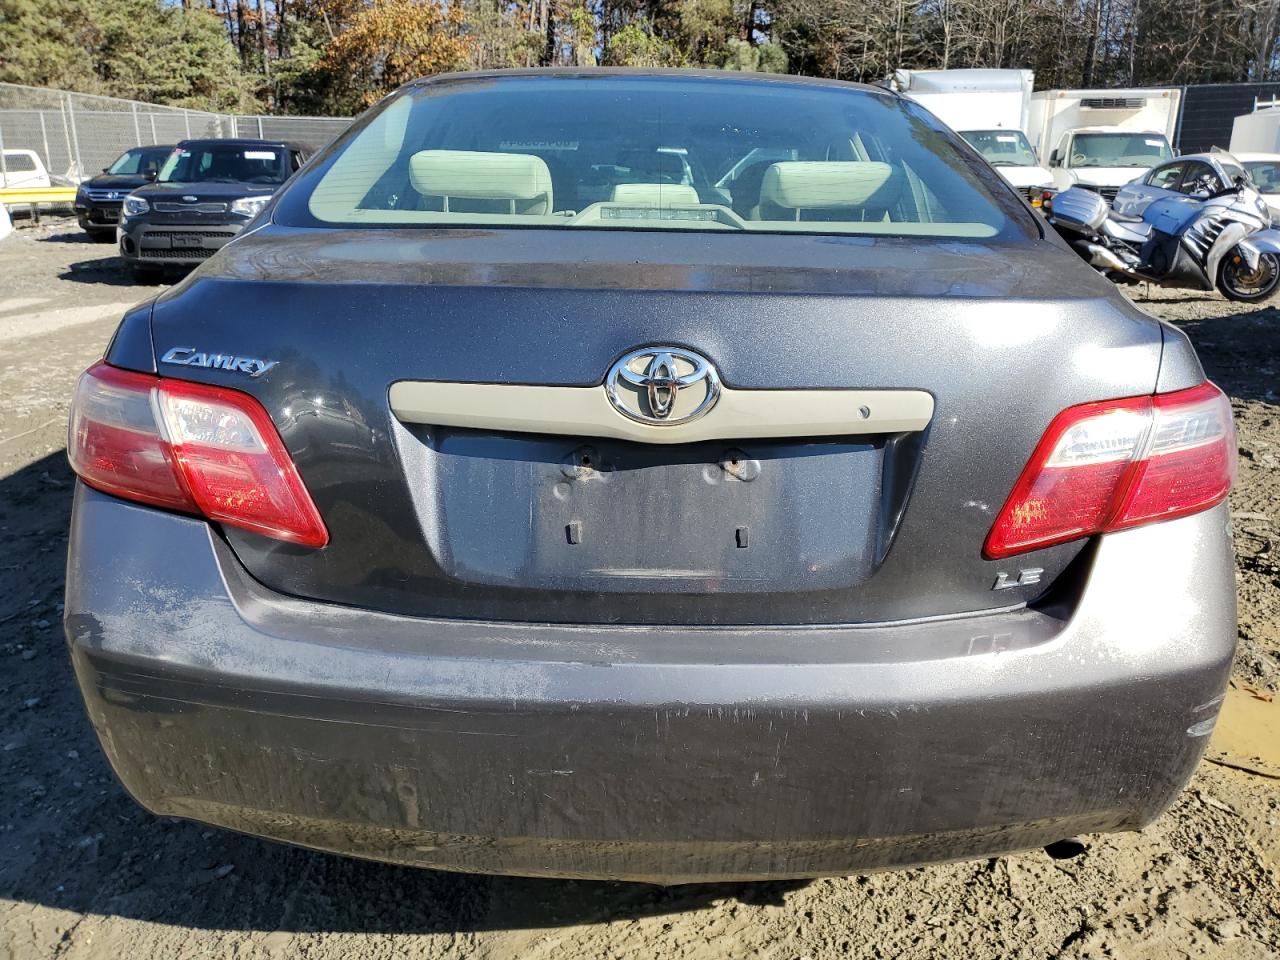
pixel 587 412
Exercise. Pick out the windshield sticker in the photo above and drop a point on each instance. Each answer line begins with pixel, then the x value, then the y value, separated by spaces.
pixel 1154 143
pixel 259 154
pixel 1006 138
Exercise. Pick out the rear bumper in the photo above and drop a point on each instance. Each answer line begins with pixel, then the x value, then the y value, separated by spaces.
pixel 174 244
pixel 668 755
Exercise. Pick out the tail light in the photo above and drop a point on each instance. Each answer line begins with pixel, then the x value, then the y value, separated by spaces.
pixel 1122 463
pixel 191 447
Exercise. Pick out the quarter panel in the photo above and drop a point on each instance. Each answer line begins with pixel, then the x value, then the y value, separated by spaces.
pixel 130 345
pixel 1179 366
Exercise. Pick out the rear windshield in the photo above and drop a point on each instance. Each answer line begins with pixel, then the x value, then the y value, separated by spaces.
pixel 1002 148
pixel 226 163
pixel 654 153
pixel 19 162
pixel 141 160
pixel 1119 150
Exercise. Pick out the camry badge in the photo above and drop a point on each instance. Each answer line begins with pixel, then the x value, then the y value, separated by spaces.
pixel 189 199
pixel 191 357
pixel 663 385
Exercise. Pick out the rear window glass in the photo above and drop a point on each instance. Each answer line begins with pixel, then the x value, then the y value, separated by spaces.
pixel 19 162
pixel 225 163
pixel 654 153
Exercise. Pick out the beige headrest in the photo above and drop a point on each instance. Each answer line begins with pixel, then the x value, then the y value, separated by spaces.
pixel 655 194
pixel 520 178
pixel 824 184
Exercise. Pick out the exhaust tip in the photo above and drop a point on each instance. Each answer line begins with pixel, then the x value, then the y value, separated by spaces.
pixel 1065 849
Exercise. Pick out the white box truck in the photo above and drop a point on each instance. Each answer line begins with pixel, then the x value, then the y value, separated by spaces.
pixel 1257 132
pixel 989 108
pixel 1255 142
pixel 1103 139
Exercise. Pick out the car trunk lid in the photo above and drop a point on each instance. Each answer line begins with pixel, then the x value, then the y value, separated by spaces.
pixel 861 518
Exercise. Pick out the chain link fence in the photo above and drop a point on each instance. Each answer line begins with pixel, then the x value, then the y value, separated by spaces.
pixel 75 135
pixel 313 132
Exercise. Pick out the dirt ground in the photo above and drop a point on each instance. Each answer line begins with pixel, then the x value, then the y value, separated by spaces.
pixel 86 873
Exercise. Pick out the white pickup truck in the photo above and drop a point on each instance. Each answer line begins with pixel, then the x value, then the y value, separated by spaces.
pixel 23 168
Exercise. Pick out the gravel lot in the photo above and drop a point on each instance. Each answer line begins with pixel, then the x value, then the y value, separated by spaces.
pixel 86 873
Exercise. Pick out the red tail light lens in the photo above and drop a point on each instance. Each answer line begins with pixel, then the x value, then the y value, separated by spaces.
pixel 1122 463
pixel 190 447
pixel 115 444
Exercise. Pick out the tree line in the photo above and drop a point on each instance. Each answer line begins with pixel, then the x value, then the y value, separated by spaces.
pixel 338 56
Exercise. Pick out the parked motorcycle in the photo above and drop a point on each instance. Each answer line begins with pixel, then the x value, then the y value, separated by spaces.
pixel 1224 241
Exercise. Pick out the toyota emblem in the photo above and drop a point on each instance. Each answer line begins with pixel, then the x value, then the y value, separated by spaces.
pixel 663 386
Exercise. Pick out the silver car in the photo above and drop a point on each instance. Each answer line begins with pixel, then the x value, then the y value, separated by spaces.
pixel 538 488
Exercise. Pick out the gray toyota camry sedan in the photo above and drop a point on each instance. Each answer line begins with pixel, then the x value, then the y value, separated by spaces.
pixel 655 476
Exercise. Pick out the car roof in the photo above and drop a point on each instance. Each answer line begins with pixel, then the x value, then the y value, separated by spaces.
pixel 701 76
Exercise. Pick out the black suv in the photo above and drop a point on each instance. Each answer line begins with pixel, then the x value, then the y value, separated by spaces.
pixel 204 195
pixel 98 199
